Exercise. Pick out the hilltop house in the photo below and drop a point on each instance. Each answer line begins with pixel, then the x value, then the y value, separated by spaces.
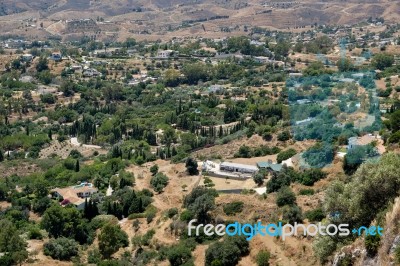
pixel 365 140
pixel 75 195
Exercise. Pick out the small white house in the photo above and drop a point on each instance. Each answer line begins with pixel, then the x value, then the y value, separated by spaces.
pixel 164 53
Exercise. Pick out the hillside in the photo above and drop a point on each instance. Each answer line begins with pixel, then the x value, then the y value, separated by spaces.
pixel 209 18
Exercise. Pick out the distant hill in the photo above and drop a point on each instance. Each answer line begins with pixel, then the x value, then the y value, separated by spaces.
pixel 158 17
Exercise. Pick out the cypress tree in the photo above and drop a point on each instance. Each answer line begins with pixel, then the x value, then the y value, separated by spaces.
pixel 77 167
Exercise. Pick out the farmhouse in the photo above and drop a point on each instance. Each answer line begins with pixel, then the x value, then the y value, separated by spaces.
pixel 75 195
pixel 238 168
pixel 269 166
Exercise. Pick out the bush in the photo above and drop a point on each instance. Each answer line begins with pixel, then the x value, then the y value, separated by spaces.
pixel 34 233
pixel 284 136
pixel 111 238
pixel 285 196
pixel 94 256
pixel 143 240
pixel 372 244
pixel 61 248
pixel 292 214
pixel 154 169
pixel 179 255
pixel 159 182
pixel 233 207
pixel 172 212
pixel 310 176
pixel 75 154
pixel 150 216
pixel 284 155
pixel 227 252
pixel 263 257
pixel 186 215
pixel 306 191
pixel 319 155
pixel 315 215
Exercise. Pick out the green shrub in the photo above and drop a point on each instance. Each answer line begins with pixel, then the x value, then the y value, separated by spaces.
pixel 61 248
pixel 285 196
pixel 372 244
pixel 187 215
pixel 284 155
pixel 34 233
pixel 159 182
pixel 172 212
pixel 315 215
pixel 233 207
pixel 263 257
pixel 307 191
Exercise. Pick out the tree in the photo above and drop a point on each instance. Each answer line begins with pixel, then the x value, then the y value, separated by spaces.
pixel 195 72
pixel 201 206
pixel 244 152
pixel 61 248
pixel 285 196
pixel 258 178
pixel 11 244
pixel 45 77
pixel 191 166
pixel 284 136
pixel 292 214
pixel 67 222
pixel 344 65
pixel 171 78
pixel 42 64
pixel 40 205
pixel 68 88
pixel 159 182
pixel 111 239
pixel 382 61
pixel 48 98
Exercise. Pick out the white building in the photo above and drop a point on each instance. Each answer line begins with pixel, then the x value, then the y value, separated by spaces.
pixel 238 168
pixel 27 57
pixel 164 53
